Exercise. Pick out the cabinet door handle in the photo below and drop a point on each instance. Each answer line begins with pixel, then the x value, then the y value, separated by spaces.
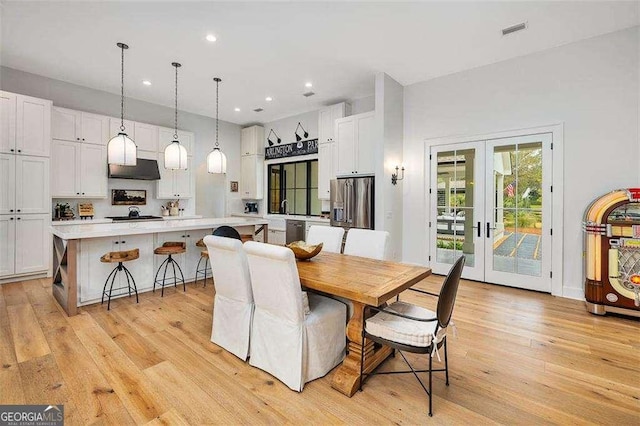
pixel 117 242
pixel 18 210
pixel 18 218
pixel 123 242
pixel 77 193
pixel 12 150
pixel 19 150
pixel 83 193
pixel 77 139
pixel 82 138
pixel 10 218
pixel 11 211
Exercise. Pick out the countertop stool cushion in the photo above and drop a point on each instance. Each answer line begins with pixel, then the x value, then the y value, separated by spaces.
pixel 120 256
pixel 171 247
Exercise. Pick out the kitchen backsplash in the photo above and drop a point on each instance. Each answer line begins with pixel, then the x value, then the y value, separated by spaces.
pixel 102 206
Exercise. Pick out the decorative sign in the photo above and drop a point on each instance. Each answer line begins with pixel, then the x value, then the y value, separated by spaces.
pixel 291 149
pixel 128 197
pixel 234 186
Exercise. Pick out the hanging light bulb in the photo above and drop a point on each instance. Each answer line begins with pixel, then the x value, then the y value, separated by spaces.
pixel 216 160
pixel 175 154
pixel 121 149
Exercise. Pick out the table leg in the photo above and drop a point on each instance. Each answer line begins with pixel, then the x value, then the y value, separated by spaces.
pixel 347 378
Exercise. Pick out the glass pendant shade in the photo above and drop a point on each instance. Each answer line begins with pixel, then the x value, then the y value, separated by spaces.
pixel 121 150
pixel 216 161
pixel 175 156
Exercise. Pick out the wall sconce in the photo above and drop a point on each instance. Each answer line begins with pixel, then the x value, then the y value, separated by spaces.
pixel 298 137
pixel 269 138
pixel 394 176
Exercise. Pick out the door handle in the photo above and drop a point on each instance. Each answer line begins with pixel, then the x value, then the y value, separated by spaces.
pixel 488 227
pixel 478 228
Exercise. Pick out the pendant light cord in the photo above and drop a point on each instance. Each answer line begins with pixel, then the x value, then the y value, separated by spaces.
pixel 175 134
pixel 122 89
pixel 217 108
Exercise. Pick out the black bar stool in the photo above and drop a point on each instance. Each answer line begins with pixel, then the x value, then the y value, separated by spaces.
pixel 204 255
pixel 120 257
pixel 169 249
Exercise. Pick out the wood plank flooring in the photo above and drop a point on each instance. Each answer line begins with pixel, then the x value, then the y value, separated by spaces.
pixel 520 358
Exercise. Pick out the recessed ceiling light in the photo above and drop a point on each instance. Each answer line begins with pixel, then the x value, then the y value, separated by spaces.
pixel 236 109
pixel 211 38
pixel 268 99
pixel 309 85
pixel 146 82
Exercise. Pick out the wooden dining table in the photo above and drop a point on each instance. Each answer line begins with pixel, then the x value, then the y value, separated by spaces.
pixel 364 282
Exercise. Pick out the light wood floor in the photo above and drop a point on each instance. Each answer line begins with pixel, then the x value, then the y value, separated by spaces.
pixel 520 357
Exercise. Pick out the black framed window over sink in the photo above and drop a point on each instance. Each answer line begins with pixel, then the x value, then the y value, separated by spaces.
pixel 296 182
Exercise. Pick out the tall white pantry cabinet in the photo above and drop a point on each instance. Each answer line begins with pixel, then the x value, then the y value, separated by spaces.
pixel 25 200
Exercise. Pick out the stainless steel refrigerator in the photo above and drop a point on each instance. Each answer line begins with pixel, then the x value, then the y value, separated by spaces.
pixel 351 201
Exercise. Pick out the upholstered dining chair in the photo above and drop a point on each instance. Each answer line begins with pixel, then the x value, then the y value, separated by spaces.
pixel 329 236
pixel 233 302
pixel 411 328
pixel 367 243
pixel 287 343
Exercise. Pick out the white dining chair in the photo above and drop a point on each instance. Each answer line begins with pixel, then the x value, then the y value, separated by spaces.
pixel 291 346
pixel 233 302
pixel 367 243
pixel 329 236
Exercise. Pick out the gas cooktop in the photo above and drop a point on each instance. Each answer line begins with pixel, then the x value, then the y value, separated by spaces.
pixel 133 218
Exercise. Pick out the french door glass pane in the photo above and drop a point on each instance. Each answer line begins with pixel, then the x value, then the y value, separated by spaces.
pixel 517 233
pixel 455 206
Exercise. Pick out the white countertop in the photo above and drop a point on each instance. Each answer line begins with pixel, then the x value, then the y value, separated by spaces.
pixel 80 231
pixel 285 216
pixel 79 222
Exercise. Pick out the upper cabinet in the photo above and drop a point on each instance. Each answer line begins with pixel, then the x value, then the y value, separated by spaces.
pixel 25 184
pixel 78 170
pixel 252 140
pixel 165 137
pixel 327 119
pixel 355 147
pixel 175 183
pixel 116 123
pixel 146 137
pixel 79 126
pixel 26 125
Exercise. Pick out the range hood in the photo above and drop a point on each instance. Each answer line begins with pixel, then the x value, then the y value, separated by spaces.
pixel 143 170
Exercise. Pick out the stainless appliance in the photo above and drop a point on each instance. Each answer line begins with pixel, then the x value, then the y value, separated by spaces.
pixel 351 201
pixel 251 207
pixel 133 218
pixel 143 170
pixel 295 230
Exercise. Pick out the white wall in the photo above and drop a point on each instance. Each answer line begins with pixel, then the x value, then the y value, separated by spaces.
pixel 591 86
pixel 211 190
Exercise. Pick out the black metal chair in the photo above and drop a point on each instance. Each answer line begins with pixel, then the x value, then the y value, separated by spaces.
pixel 170 249
pixel 120 257
pixel 388 327
pixel 227 231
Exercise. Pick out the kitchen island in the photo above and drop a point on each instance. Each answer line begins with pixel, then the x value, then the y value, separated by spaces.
pixel 78 274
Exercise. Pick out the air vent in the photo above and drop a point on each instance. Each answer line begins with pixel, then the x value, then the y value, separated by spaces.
pixel 306 95
pixel 514 28
pixel 258 110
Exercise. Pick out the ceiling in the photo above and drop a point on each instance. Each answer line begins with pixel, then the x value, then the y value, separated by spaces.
pixel 273 49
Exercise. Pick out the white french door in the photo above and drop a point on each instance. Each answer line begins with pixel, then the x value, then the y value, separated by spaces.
pixel 491 202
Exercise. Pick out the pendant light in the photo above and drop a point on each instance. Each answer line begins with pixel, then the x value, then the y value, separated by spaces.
pixel 121 149
pixel 216 160
pixel 175 155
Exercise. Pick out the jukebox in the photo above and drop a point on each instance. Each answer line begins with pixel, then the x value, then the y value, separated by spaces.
pixel 612 253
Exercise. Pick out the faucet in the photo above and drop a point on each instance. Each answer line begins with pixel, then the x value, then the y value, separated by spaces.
pixel 284 203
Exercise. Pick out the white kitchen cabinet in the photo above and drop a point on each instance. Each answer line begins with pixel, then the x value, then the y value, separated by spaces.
pixel 325 169
pixel 175 183
pixel 93 273
pixel 129 128
pixel 146 137
pixel 7 187
pixel 7 122
pixel 25 184
pixel 25 125
pixel 32 243
pixel 80 126
pixel 33 126
pixel 277 236
pixel 310 223
pixel 8 243
pixel 327 118
pixel 251 181
pixel 32 185
pixel 78 170
pixel 355 145
pixel 252 141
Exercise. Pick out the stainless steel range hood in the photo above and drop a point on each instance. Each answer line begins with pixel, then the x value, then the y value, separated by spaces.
pixel 143 170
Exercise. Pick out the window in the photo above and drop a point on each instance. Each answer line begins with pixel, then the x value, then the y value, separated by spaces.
pixel 298 184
